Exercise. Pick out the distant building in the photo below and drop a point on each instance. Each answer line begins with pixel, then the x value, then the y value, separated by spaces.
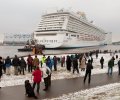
pixel 108 39
pixel 116 43
pixel 21 38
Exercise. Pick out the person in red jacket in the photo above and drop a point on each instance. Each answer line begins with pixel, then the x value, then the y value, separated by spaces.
pixel 30 63
pixel 37 78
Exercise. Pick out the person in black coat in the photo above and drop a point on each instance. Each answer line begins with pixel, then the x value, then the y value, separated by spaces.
pixel 22 65
pixel 1 66
pixel 68 63
pixel 91 60
pixel 96 55
pixel 16 64
pixel 102 62
pixel 119 67
pixel 75 65
pixel 88 71
pixel 55 63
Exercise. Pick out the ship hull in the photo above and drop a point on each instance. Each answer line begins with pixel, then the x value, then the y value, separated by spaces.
pixel 60 40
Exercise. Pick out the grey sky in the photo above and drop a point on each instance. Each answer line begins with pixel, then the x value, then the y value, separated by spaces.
pixel 18 16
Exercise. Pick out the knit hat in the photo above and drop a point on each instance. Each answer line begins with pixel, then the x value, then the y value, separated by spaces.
pixel 0 57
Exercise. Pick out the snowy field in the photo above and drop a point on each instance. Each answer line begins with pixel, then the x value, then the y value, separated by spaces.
pixel 107 92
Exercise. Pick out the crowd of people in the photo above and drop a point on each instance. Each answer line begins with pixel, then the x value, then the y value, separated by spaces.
pixel 42 68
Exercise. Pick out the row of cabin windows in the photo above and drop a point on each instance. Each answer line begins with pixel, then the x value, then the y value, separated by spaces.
pixel 17 37
pixel 72 35
pixel 86 36
pixel 50 24
pixel 72 24
pixel 49 21
pixel 81 28
pixel 75 21
pixel 84 30
pixel 54 16
pixel 48 41
pixel 50 28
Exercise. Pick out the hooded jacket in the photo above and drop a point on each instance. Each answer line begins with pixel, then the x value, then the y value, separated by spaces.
pixel 37 75
pixel 44 70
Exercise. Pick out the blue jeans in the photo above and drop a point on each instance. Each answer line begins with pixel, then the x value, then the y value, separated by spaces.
pixel 110 70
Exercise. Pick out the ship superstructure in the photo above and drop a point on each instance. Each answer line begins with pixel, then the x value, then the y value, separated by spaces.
pixel 68 30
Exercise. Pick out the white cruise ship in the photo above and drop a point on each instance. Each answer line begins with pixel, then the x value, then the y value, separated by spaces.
pixel 64 29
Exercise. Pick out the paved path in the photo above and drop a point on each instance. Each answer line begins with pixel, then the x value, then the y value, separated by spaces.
pixel 58 87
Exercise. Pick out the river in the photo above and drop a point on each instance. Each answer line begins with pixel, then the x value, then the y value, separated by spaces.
pixel 12 50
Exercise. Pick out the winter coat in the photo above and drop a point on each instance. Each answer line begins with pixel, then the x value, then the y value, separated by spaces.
pixel 91 60
pixel 35 62
pixel 119 63
pixel 1 66
pixel 75 63
pixel 37 76
pixel 68 62
pixel 83 63
pixel 80 58
pixel 8 62
pixel 22 63
pixel 52 61
pixel 29 60
pixel 101 60
pixel 49 63
pixel 44 70
pixel 89 66
pixel 111 63
pixel 63 59
pixel 116 61
pixel 55 60
pixel 43 59
pixel 16 62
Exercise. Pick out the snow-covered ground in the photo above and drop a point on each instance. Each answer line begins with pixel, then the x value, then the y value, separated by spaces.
pixel 107 92
pixel 60 74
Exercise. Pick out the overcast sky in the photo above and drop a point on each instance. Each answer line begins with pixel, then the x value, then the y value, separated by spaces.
pixel 23 16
